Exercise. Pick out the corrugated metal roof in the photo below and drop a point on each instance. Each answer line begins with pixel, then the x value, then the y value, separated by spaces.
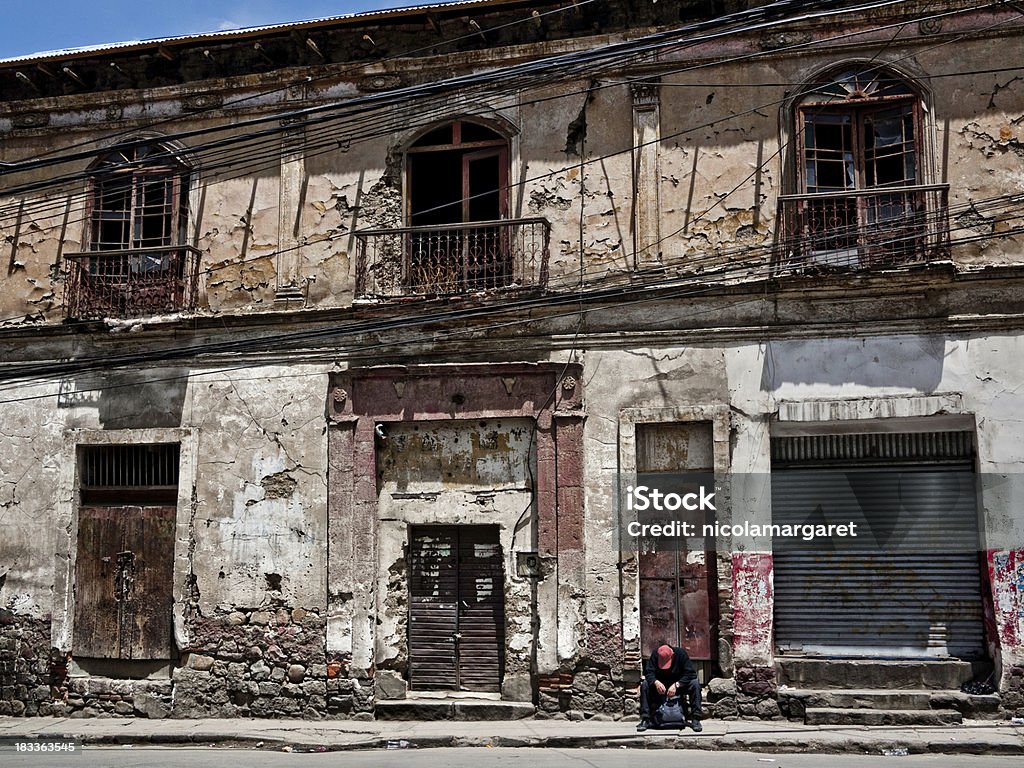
pixel 227 34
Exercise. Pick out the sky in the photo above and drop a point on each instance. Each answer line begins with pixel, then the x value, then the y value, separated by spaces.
pixel 30 27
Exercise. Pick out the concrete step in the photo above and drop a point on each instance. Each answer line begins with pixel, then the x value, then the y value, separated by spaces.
pixel 839 716
pixel 859 699
pixel 453 709
pixel 859 674
pixel 973 707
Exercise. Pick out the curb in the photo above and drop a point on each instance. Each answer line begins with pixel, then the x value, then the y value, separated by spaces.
pixel 849 745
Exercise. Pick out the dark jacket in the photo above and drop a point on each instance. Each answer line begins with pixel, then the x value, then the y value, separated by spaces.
pixel 680 670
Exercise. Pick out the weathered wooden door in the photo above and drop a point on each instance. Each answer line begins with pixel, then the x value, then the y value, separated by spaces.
pixel 123 577
pixel 456 608
pixel 677 582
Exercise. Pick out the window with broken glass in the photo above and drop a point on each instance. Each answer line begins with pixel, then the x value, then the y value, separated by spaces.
pixel 137 262
pixel 861 200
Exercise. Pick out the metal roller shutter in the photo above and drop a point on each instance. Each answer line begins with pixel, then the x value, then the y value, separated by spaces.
pixel 920 596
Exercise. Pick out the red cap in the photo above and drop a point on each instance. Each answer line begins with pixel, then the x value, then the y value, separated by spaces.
pixel 664 657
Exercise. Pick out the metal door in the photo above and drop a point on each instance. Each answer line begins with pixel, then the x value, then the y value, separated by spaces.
pixel 914 588
pixel 676 585
pixel 456 608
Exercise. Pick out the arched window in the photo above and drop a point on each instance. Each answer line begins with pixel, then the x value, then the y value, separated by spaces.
pixel 136 260
pixel 139 199
pixel 457 173
pixel 457 182
pixel 458 236
pixel 861 200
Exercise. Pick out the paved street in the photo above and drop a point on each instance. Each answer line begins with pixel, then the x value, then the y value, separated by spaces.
pixel 162 757
pixel 766 738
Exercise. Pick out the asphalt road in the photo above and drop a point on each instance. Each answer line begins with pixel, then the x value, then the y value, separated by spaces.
pixel 158 757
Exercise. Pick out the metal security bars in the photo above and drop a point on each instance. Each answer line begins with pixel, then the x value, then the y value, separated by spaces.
pixel 132 282
pixel 451 259
pixel 863 229
pixel 129 474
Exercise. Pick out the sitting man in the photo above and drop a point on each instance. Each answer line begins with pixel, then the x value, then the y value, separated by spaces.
pixel 669 672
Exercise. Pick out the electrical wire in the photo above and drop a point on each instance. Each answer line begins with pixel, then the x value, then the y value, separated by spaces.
pixel 281 341
pixel 333 142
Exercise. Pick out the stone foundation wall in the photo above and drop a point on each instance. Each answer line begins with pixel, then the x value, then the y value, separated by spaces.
pixel 100 696
pixel 30 674
pixel 265 663
pixel 1012 695
pixel 751 694
pixel 589 694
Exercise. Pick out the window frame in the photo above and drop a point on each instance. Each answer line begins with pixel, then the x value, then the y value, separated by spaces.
pixel 865 222
pixel 139 168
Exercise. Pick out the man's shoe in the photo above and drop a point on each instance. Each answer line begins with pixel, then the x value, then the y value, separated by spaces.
pixel 697 727
pixel 643 725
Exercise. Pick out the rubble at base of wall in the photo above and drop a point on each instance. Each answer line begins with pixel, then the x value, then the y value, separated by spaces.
pixel 26 672
pixel 1012 696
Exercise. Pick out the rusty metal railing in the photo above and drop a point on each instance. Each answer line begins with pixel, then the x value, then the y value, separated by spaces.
pixel 451 259
pixel 862 229
pixel 134 282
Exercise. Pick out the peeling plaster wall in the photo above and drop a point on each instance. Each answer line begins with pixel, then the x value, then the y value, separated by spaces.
pixel 616 380
pixel 714 138
pixel 457 473
pixel 30 439
pixel 261 490
pixel 557 134
pixel 717 126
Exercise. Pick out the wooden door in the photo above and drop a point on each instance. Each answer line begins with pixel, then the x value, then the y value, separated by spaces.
pixel 123 579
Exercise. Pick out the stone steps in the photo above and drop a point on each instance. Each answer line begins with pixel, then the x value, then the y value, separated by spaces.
pixel 840 716
pixel 882 691
pixel 453 709
pixel 884 674
pixel 797 701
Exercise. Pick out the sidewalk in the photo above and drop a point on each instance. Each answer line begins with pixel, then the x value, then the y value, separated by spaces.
pixel 974 737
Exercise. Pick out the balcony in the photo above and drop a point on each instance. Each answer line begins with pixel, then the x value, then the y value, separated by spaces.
pixel 862 229
pixel 135 282
pixel 452 259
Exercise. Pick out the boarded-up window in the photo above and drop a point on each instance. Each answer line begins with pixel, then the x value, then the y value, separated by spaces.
pixel 124 566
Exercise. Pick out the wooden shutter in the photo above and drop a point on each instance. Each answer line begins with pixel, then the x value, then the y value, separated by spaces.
pixel 457 609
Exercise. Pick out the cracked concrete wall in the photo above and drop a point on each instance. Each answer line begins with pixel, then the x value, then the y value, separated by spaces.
pixel 261 491
pixel 456 473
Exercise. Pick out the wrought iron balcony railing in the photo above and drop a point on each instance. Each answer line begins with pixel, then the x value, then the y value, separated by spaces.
pixel 135 282
pixel 862 229
pixel 452 259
